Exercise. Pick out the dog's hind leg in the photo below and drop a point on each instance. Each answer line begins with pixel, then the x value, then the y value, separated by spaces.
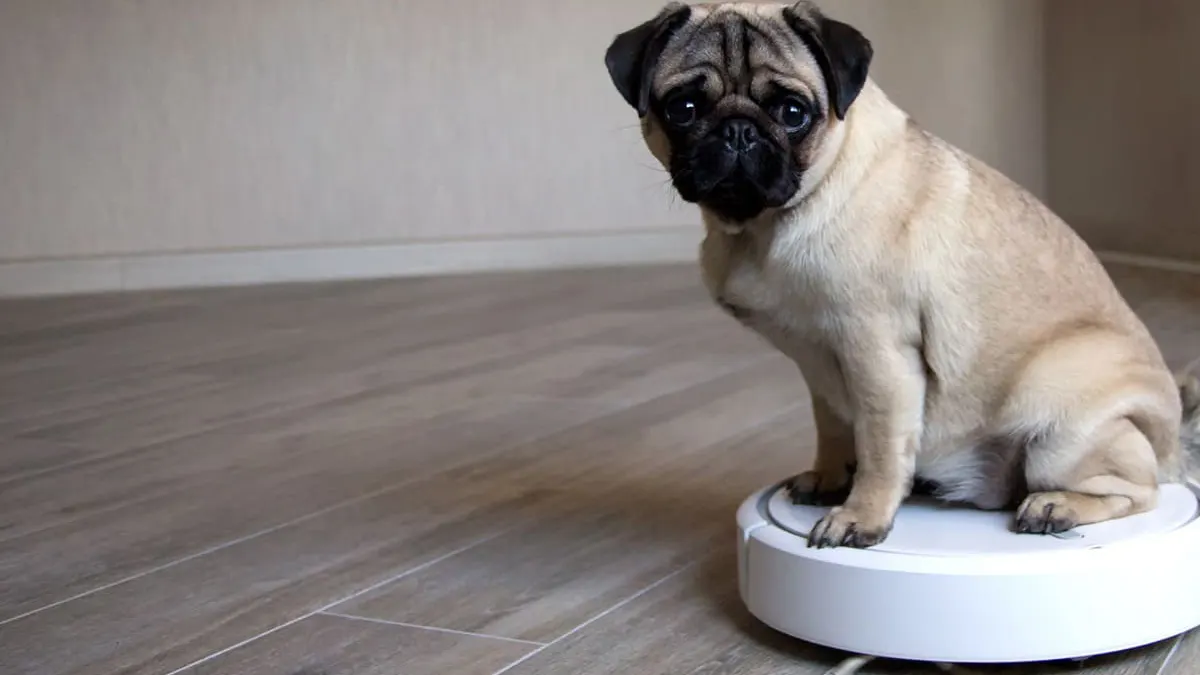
pixel 1110 475
pixel 1101 423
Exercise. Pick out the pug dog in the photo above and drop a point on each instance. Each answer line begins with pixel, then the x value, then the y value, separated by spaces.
pixel 951 329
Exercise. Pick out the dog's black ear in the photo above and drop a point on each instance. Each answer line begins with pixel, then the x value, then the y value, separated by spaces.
pixel 843 53
pixel 632 56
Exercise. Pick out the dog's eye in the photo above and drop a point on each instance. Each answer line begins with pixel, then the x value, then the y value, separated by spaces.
pixel 793 114
pixel 680 111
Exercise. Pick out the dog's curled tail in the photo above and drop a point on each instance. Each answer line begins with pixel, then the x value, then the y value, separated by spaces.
pixel 1189 431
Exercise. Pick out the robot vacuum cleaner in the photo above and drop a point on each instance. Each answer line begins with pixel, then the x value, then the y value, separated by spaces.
pixel 957 585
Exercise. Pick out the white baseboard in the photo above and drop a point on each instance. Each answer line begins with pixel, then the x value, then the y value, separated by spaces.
pixel 1150 262
pixel 240 268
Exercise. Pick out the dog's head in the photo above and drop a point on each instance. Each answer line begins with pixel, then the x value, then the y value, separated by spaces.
pixel 736 100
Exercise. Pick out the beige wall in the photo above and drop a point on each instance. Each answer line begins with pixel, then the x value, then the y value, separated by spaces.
pixel 1124 122
pixel 970 70
pixel 136 126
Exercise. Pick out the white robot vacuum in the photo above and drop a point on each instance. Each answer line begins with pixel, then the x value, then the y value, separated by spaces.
pixel 956 586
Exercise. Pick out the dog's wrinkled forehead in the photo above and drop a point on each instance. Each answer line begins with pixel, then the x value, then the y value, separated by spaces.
pixel 739 49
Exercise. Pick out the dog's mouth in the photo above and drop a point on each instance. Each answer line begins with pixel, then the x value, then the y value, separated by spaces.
pixel 738 186
pixel 735 168
pixel 743 194
pixel 736 199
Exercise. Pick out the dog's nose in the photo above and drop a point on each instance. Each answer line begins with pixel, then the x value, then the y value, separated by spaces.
pixel 740 134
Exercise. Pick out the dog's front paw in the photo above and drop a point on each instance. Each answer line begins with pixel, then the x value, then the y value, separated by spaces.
pixel 1046 513
pixel 819 488
pixel 844 526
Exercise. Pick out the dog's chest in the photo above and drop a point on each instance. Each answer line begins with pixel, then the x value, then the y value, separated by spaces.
pixel 786 299
pixel 769 286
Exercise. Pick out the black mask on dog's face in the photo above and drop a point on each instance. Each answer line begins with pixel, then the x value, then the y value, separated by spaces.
pixel 741 95
pixel 734 155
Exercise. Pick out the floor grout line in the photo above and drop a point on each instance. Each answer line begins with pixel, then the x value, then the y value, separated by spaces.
pixel 436 629
pixel 296 521
pixel 594 619
pixel 212 549
pixel 603 412
pixel 1170 653
pixel 324 609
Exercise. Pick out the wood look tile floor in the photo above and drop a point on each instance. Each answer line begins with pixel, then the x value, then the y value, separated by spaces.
pixel 520 474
